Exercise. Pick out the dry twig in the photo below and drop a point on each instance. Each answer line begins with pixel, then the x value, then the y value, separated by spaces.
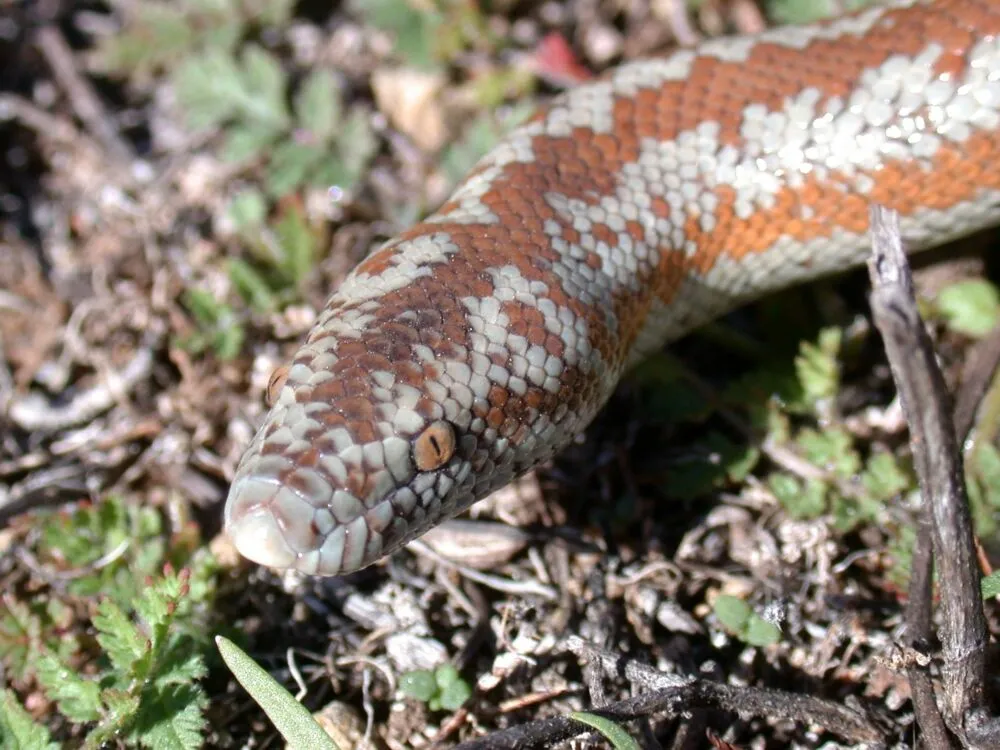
pixel 939 468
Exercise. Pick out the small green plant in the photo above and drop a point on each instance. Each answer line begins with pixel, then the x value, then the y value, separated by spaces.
pixel 443 688
pixel 970 307
pixel 18 731
pixel 818 365
pixel 283 250
pixel 428 34
pixel 218 328
pixel 739 619
pixel 147 693
pixel 315 143
pixel 158 34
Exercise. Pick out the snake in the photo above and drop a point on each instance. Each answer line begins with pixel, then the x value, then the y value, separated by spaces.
pixel 632 208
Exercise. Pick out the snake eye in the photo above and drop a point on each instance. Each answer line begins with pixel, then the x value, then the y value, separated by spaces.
pixel 435 446
pixel 274 385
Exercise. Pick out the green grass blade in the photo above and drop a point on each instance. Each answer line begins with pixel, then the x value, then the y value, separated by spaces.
pixel 289 717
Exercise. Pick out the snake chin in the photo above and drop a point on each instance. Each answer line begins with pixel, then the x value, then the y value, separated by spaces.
pixel 273 522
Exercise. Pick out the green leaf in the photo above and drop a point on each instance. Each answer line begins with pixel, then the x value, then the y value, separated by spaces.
pixel 298 246
pixel 803 11
pixel 218 326
pixel 317 105
pixel 120 708
pixel 251 285
pixel 172 718
pixel 817 366
pixel 263 87
pixel 248 141
pixel 155 34
pixel 970 307
pixel 291 163
pixel 209 88
pixel 289 717
pixel 18 731
pixel 990 585
pixel 733 613
pixel 248 210
pixel 118 636
pixel 356 144
pixel 454 695
pixel 760 632
pixel 453 691
pixel 420 684
pixel 800 501
pixel 77 698
pixel 20 629
pixel 883 477
pixel 618 737
pixel 832 450
pixel 415 28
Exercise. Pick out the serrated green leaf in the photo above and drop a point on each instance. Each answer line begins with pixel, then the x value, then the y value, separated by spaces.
pixel 289 717
pixel 120 707
pixel 181 665
pixel 883 477
pixel 263 88
pixel 116 634
pixel 356 144
pixel 20 629
pixel 78 699
pixel 802 501
pixel 247 141
pixel 317 105
pixel 832 450
pixel 18 731
pixel 209 88
pixel 171 718
pixel 618 737
pixel 415 29
pixel 818 367
pixel 157 34
pixel 290 166
pixel 970 307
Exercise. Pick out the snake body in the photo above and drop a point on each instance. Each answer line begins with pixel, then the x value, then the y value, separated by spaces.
pixel 482 340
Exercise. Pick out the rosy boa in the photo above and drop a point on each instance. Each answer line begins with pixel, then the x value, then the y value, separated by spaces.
pixel 481 341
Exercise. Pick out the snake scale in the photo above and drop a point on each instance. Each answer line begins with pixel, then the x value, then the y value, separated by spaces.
pixel 479 342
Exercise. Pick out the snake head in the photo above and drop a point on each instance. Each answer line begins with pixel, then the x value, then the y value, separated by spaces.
pixel 399 411
pixel 363 449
